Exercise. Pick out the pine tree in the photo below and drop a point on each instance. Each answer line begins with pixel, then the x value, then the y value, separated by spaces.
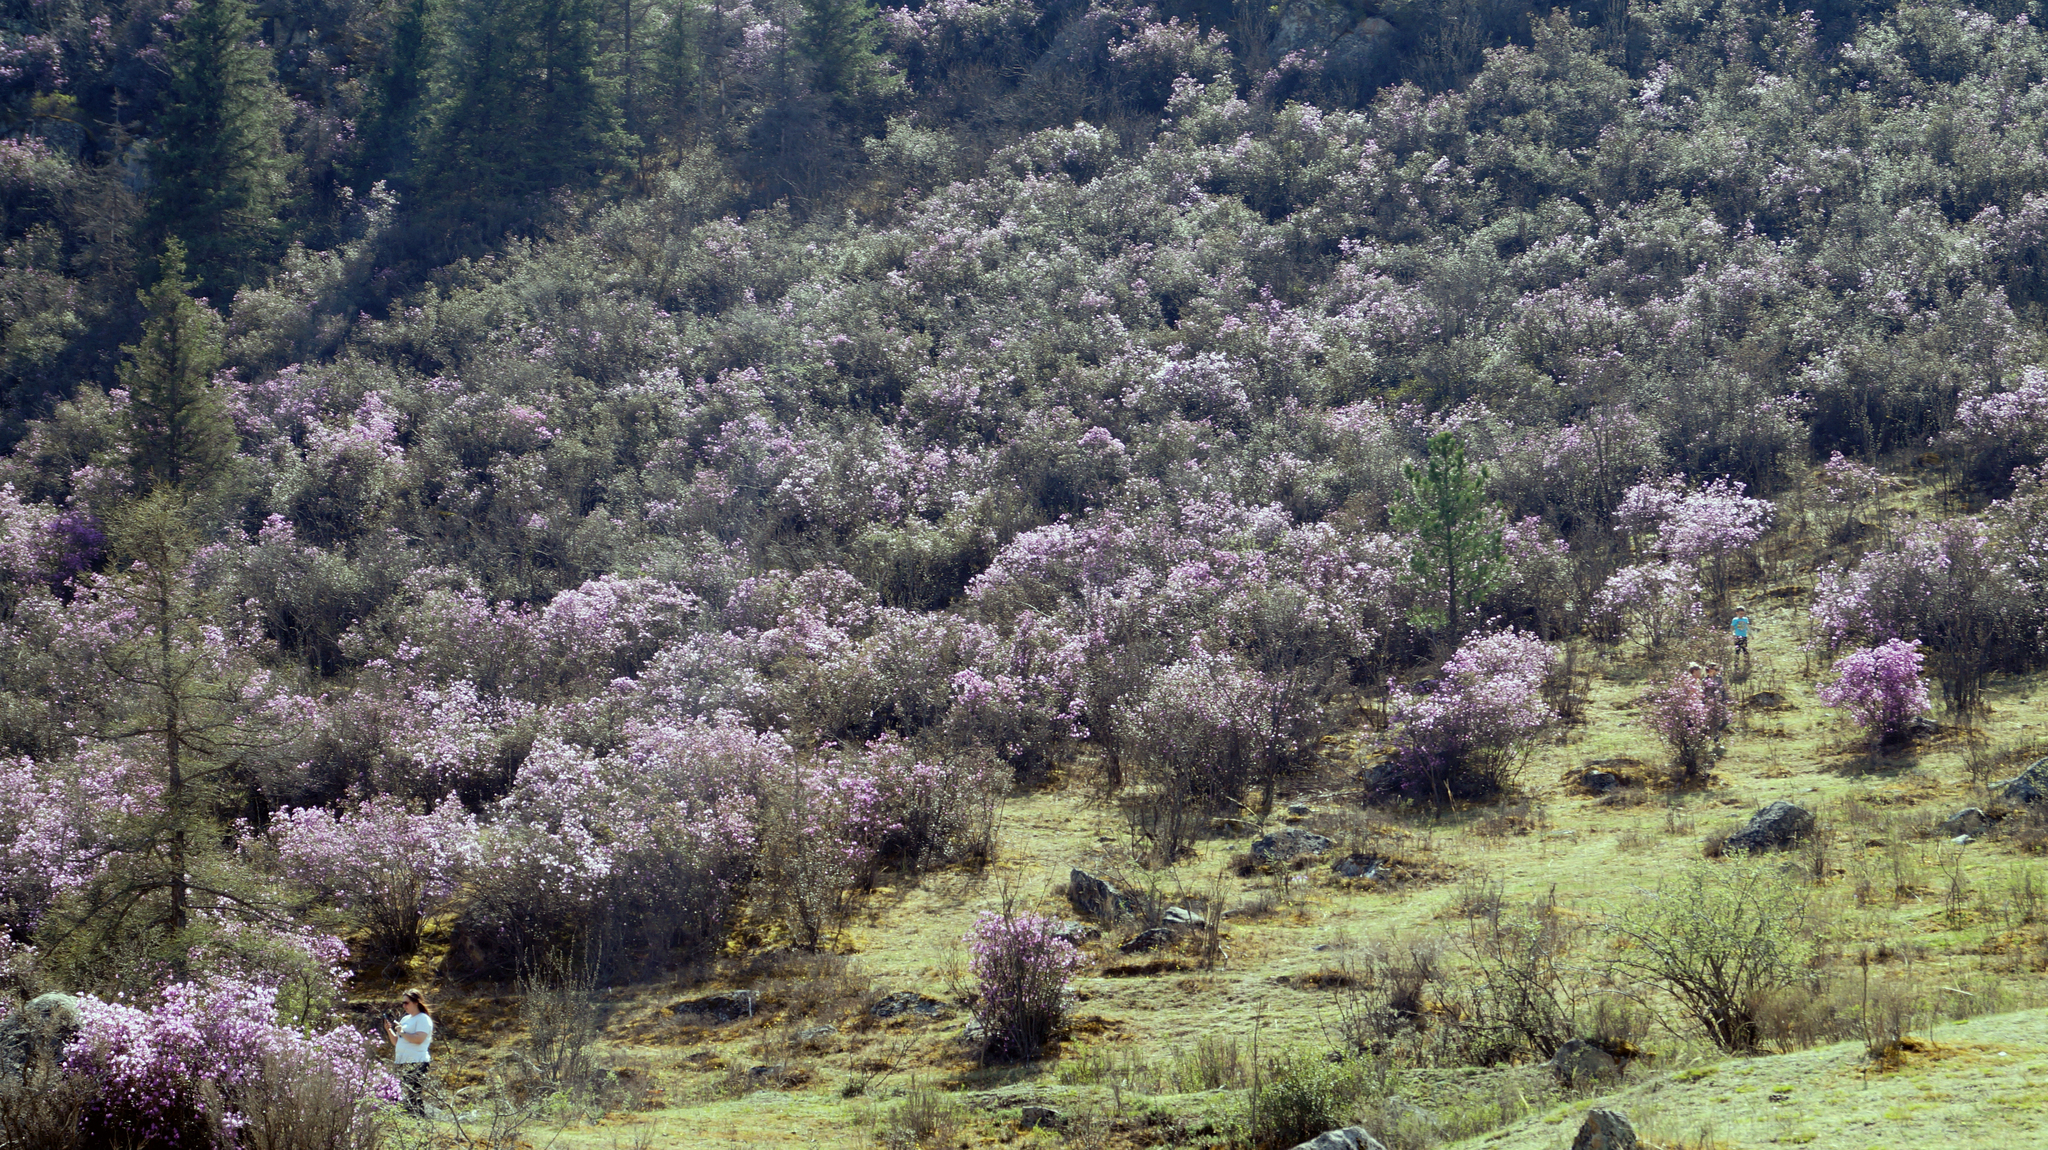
pixel 837 39
pixel 1457 537
pixel 398 97
pixel 525 112
pixel 678 68
pixel 218 158
pixel 174 704
pixel 178 427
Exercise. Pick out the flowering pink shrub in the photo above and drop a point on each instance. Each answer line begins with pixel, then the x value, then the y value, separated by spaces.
pixel 1658 601
pixel 166 1072
pixel 384 862
pixel 1459 737
pixel 1020 972
pixel 1881 688
pixel 1946 587
pixel 1688 714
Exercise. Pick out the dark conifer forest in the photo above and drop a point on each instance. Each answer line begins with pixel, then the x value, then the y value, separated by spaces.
pixel 547 495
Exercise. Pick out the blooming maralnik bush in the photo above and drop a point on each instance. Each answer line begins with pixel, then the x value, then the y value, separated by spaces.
pixel 1688 714
pixel 1460 738
pixel 1020 968
pixel 1658 601
pixel 1951 588
pixel 1881 687
pixel 389 865
pixel 170 1074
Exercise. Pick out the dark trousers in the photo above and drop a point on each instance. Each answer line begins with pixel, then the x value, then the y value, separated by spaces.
pixel 412 1087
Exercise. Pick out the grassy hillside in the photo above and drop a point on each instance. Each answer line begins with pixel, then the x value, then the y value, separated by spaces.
pixel 1162 1045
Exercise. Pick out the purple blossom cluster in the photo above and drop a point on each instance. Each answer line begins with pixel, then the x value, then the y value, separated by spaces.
pixel 1021 968
pixel 1459 735
pixel 174 1072
pixel 1880 687
pixel 387 863
pixel 1687 715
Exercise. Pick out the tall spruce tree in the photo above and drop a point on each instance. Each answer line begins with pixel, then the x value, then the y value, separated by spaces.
pixel 837 39
pixel 525 111
pixel 398 97
pixel 1456 557
pixel 178 427
pixel 218 161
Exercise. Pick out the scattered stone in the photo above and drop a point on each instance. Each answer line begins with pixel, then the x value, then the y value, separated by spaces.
pixel 766 1071
pixel 1349 1138
pixel 728 1007
pixel 1292 843
pixel 1037 1116
pixel 907 1002
pixel 1579 1062
pixel 1605 1130
pixel 1076 932
pixel 1968 821
pixel 814 1033
pixel 1768 701
pixel 1151 939
pixel 1357 866
pixel 1233 826
pixel 41 1027
pixel 1962 840
pixel 974 1031
pixel 1095 898
pixel 1779 825
pixel 1181 918
pixel 1919 727
pixel 2029 786
pixel 1599 782
pixel 1298 810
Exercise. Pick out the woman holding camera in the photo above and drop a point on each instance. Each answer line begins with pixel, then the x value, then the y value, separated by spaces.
pixel 410 1041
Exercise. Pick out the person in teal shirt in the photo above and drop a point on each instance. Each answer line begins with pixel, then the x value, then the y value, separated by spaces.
pixel 1739 627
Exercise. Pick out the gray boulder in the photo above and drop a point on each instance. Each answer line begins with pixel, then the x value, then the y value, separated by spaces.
pixel 1779 825
pixel 1095 898
pixel 1357 866
pixel 38 1030
pixel 1968 821
pixel 2028 787
pixel 1605 1130
pixel 1036 1116
pixel 1076 932
pixel 1298 810
pixel 1599 782
pixel 728 1007
pixel 1578 1063
pixel 1152 939
pixel 1351 46
pixel 907 1002
pixel 1181 918
pixel 1349 1138
pixel 1286 845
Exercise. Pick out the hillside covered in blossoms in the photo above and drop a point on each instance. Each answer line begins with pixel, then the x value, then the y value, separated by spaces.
pixel 554 499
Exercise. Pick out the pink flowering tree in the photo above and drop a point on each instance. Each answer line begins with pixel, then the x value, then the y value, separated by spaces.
pixel 385 863
pixel 1657 601
pixel 1846 486
pixel 1021 969
pixel 1709 529
pixel 206 1064
pixel 1460 736
pixel 1687 714
pixel 1950 588
pixel 1881 688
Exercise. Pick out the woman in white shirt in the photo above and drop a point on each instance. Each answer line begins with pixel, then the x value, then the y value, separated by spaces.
pixel 410 1044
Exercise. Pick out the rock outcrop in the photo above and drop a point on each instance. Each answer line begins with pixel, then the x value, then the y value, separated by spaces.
pixel 1776 826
